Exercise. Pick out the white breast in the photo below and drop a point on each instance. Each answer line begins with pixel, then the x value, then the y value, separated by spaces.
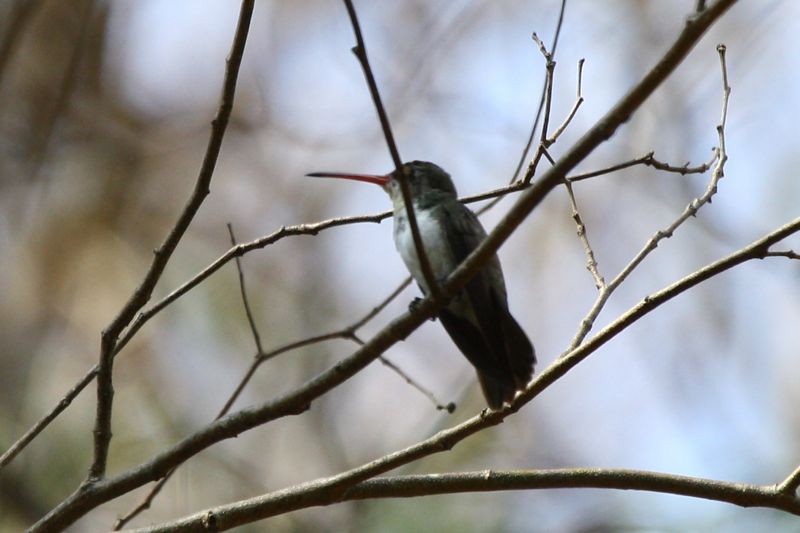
pixel 433 239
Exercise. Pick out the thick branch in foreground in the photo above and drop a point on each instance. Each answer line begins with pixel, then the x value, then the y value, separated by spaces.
pixel 89 497
pixel 741 494
pixel 312 228
pixel 336 487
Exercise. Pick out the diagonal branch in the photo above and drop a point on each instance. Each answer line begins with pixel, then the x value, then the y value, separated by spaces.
pixel 298 400
pixel 791 484
pixel 721 157
pixel 245 300
pixel 105 389
pixel 539 110
pixel 292 231
pixel 360 51
pixel 578 102
pixel 338 487
pixel 591 261
pixel 543 96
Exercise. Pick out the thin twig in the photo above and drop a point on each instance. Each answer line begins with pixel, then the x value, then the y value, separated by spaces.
pixel 381 306
pixel 260 358
pixel 450 407
pixel 147 501
pixel 789 254
pixel 591 262
pixel 650 161
pixel 245 302
pixel 550 66
pixel 545 142
pixel 348 332
pixel 539 109
pixel 360 51
pixel 42 423
pixel 578 101
pixel 689 211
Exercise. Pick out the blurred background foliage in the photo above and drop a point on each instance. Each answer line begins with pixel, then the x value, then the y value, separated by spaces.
pixel 104 115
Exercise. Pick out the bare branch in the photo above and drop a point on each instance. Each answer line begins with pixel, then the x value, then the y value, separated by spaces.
pixel 540 108
pixel 245 302
pixel 741 494
pixel 381 306
pixel 789 254
pixel 338 486
pixel 445 440
pixel 721 157
pixel 313 228
pixel 650 161
pixel 450 407
pixel 145 316
pixel 105 389
pixel 790 485
pixel 591 262
pixel 147 501
pixel 360 51
pixel 550 66
pixel 578 101
pixel 42 423
pixel 261 357
pixel 410 486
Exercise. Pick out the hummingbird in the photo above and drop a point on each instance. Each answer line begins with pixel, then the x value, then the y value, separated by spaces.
pixel 477 318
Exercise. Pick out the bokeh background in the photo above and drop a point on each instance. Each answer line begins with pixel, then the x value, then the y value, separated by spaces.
pixel 104 115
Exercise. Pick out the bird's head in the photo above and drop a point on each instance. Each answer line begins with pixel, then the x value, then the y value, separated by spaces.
pixel 428 182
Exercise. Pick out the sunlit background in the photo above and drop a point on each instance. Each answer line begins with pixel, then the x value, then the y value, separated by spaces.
pixel 105 110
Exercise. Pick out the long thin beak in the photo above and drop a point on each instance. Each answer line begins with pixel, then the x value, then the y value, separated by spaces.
pixel 369 178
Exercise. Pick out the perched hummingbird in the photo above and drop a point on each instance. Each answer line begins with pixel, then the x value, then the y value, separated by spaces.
pixel 476 318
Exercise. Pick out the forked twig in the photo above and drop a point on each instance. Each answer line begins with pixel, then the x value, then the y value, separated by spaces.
pixel 689 211
pixel 578 101
pixel 539 109
pixel 262 356
pixel 161 256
